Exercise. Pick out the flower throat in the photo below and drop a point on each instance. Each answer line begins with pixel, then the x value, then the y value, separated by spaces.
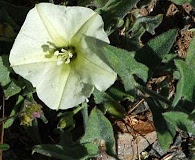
pixel 65 55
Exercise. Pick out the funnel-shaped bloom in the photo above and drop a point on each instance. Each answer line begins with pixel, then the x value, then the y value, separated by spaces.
pixel 59 50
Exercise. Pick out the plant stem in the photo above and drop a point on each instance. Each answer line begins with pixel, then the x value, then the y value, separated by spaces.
pixel 85 114
pixel 154 94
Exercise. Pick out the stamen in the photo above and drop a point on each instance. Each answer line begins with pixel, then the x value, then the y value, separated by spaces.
pixel 63 50
pixel 56 53
pixel 67 61
pixel 70 54
pixel 64 55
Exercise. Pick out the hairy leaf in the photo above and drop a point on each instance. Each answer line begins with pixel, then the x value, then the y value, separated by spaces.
pixel 179 120
pixel 186 85
pixel 4 70
pixel 115 10
pixel 99 130
pixel 11 89
pixel 165 132
pixel 94 3
pixel 154 51
pixel 110 105
pixel 66 149
pixel 181 2
pixel 143 24
pixel 126 66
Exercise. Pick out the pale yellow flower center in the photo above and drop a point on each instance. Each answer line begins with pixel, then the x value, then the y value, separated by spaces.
pixel 65 55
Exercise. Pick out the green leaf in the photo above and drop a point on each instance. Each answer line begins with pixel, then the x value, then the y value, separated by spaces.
pixel 143 24
pixel 15 13
pixel 33 132
pixel 110 105
pixel 101 97
pixel 126 66
pixel 143 3
pixel 4 70
pixel 118 93
pixel 181 2
pixel 156 49
pixel 186 85
pixel 66 120
pixel 55 151
pixel 95 3
pixel 4 147
pixel 115 10
pixel 115 109
pixel 165 131
pixel 5 18
pixel 115 92
pixel 192 115
pixel 66 149
pixel 190 58
pixel 180 120
pixel 11 89
pixel 13 113
pixel 99 129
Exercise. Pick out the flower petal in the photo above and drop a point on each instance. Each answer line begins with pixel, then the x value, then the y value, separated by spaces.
pixel 94 71
pixel 93 27
pixel 69 22
pixel 28 46
pixel 59 87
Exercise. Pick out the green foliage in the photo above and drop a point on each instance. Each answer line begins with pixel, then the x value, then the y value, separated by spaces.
pixel 126 66
pixel 66 120
pixel 134 68
pixel 13 115
pixel 110 105
pixel 192 115
pixel 155 50
pixel 165 133
pixel 98 130
pixel 113 11
pixel 109 100
pixel 143 24
pixel 12 89
pixel 4 71
pixel 186 84
pixel 181 2
pixel 13 15
pixel 66 149
pixel 4 147
pixel 33 131
pixel 94 3
pixel 179 120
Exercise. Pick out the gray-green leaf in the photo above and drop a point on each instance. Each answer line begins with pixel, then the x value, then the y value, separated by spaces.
pixel 124 63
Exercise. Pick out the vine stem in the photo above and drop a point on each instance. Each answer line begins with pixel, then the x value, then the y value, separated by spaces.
pixel 154 94
pixel 2 130
pixel 84 112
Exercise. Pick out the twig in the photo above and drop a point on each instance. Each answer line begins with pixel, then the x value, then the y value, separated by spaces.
pixel 132 109
pixel 2 130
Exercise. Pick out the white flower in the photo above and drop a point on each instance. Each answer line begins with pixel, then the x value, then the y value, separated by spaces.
pixel 58 50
